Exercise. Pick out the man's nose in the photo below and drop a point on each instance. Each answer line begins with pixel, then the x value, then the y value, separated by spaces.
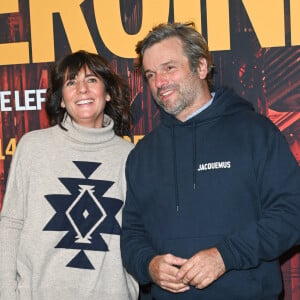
pixel 160 80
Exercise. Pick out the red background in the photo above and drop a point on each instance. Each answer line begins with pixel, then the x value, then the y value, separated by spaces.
pixel 267 77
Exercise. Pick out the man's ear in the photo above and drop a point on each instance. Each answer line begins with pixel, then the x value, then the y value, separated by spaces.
pixel 202 68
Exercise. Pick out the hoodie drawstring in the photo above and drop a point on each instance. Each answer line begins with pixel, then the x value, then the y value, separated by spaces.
pixel 174 153
pixel 194 155
pixel 175 169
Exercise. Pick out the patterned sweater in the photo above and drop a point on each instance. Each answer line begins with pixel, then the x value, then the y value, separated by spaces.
pixel 60 222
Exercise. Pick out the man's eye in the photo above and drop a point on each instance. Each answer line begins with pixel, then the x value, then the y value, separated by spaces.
pixel 149 76
pixel 169 68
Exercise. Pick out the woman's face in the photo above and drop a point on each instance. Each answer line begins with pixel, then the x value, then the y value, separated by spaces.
pixel 84 98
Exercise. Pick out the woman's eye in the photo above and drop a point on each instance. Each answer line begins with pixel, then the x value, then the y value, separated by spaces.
pixel 92 79
pixel 70 82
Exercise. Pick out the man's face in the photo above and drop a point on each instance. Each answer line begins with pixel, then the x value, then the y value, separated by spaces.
pixel 174 87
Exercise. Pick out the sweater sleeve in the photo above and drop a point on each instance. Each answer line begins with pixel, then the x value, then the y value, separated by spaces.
pixel 278 228
pixel 136 249
pixel 11 224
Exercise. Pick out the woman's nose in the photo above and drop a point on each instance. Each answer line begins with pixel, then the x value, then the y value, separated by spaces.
pixel 82 87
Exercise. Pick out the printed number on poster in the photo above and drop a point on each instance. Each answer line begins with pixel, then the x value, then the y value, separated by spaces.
pixel 8 149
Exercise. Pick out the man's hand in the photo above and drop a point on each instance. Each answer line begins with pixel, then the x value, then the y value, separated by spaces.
pixel 163 270
pixel 202 269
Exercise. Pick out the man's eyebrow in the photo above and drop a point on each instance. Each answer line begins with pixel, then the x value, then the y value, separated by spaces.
pixel 147 71
pixel 163 65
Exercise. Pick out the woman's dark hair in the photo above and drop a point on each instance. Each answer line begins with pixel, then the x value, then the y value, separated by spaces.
pixel 194 45
pixel 118 108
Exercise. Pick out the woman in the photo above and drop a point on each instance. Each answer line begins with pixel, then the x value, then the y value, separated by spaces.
pixel 61 216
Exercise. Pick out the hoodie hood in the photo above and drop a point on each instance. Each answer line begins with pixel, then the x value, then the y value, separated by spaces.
pixel 226 102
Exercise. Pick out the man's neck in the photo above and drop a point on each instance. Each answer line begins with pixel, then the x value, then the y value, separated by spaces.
pixel 195 108
pixel 207 104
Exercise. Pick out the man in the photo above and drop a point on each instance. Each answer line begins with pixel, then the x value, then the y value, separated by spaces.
pixel 213 193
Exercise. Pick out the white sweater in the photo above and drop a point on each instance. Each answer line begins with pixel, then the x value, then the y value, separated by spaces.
pixel 61 216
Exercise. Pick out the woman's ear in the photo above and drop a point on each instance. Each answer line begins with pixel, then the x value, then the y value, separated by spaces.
pixel 62 103
pixel 107 97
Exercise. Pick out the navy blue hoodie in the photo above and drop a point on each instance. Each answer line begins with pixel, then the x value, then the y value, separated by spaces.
pixel 225 178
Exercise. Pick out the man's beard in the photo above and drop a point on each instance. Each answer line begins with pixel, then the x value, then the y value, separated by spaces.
pixel 176 107
pixel 187 94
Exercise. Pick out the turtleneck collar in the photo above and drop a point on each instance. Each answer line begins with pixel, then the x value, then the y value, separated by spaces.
pixel 86 135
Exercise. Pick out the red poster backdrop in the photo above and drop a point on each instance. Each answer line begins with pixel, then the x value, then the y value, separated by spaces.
pixel 269 77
